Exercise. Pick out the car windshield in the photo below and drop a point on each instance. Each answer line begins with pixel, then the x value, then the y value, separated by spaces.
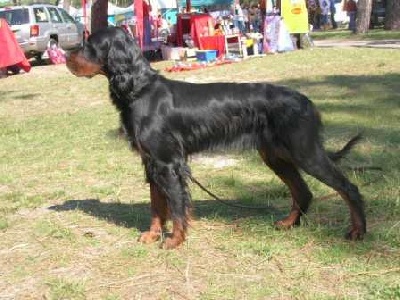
pixel 15 16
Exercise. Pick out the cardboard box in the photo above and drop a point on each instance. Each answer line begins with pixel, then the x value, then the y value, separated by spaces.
pixel 172 53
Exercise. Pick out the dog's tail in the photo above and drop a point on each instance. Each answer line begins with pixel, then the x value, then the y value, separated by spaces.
pixel 337 156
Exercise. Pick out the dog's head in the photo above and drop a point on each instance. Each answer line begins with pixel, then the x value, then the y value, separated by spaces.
pixel 109 51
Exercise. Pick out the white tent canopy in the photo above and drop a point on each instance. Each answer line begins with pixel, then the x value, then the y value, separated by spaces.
pixel 112 10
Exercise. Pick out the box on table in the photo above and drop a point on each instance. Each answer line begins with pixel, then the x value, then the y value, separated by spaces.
pixel 206 55
pixel 191 52
pixel 172 53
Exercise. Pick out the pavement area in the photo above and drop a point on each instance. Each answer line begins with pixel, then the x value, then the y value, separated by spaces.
pixel 388 44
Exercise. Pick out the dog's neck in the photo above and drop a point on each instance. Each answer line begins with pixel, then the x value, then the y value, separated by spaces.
pixel 130 80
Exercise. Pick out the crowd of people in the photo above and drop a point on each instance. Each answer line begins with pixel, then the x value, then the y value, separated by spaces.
pixel 321 14
pixel 248 18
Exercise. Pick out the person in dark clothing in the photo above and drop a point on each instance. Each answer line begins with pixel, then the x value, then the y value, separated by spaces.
pixel 333 12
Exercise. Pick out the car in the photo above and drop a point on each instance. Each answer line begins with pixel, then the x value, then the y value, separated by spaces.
pixel 40 26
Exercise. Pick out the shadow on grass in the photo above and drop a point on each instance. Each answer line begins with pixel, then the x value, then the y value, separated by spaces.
pixel 137 215
pixel 16 95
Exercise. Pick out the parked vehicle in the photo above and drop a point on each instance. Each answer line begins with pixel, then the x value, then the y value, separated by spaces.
pixel 39 26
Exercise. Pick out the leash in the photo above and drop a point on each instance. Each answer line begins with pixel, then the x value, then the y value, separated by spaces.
pixel 194 180
pixel 325 197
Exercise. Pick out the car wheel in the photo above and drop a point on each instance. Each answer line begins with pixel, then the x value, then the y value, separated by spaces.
pixel 38 58
pixel 14 69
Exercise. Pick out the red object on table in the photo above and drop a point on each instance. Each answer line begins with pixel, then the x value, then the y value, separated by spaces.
pixel 10 52
pixel 216 42
pixel 198 25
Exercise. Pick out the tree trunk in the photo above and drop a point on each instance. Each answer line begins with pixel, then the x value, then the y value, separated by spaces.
pixel 392 18
pixel 364 8
pixel 99 15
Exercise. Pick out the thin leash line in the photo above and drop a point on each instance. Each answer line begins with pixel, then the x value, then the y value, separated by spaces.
pixel 194 180
pixel 325 197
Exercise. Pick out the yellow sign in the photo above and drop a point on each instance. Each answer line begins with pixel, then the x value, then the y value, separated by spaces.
pixel 295 15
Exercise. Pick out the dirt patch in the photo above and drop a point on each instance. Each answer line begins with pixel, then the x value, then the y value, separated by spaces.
pixel 218 161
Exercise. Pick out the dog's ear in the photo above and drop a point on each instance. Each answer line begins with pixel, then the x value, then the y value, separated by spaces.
pixel 126 64
pixel 124 54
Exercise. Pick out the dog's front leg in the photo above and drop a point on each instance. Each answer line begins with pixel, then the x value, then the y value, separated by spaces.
pixel 173 180
pixel 170 197
pixel 158 215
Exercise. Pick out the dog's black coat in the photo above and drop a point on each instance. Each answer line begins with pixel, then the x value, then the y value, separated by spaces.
pixel 167 120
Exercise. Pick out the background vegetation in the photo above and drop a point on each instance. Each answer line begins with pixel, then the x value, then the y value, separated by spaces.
pixel 73 200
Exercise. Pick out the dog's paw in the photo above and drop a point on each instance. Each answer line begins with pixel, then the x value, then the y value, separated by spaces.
pixel 149 237
pixel 288 222
pixel 355 234
pixel 171 243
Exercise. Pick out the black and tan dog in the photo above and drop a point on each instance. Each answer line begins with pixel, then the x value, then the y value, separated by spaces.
pixel 167 120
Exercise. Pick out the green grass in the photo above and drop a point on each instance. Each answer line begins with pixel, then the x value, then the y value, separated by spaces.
pixel 73 199
pixel 344 34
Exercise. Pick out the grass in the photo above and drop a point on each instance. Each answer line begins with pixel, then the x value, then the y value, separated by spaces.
pixel 344 34
pixel 73 200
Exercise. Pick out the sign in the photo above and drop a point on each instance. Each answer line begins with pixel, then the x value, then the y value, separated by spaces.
pixel 295 15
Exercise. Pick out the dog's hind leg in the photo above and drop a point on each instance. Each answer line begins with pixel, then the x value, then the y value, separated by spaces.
pixel 318 165
pixel 158 215
pixel 301 195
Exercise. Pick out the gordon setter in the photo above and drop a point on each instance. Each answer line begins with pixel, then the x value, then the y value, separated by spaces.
pixel 167 120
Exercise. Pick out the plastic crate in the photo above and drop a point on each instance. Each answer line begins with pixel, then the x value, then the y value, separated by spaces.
pixel 206 55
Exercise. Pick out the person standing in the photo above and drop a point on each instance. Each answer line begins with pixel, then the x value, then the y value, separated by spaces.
pixel 254 18
pixel 312 7
pixel 333 12
pixel 350 6
pixel 146 23
pixel 325 10
pixel 238 18
pixel 245 10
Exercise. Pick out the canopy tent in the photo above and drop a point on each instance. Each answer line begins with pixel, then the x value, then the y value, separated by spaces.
pixel 112 9
pixel 203 3
pixel 138 8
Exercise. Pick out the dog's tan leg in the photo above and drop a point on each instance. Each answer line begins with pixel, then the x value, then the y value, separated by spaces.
pixel 301 195
pixel 158 215
pixel 321 167
pixel 177 237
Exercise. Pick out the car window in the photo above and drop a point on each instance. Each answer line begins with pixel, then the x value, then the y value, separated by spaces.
pixel 54 15
pixel 40 15
pixel 15 16
pixel 66 16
